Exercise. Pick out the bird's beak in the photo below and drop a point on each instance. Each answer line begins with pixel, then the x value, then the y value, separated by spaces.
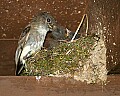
pixel 51 26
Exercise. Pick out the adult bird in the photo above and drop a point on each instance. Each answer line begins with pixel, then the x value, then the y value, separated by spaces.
pixel 32 38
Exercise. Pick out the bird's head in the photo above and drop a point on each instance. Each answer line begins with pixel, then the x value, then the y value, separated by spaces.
pixel 44 20
pixel 59 32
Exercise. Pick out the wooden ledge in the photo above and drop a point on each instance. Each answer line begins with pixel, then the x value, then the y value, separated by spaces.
pixel 29 86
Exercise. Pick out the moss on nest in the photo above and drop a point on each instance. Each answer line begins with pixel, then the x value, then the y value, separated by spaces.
pixel 62 59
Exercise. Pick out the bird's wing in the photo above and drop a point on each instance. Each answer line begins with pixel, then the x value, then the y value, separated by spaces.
pixel 24 35
pixel 22 41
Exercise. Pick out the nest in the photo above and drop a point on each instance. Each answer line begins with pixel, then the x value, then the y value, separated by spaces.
pixel 84 60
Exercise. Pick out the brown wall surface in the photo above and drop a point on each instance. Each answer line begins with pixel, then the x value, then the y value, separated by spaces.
pixel 15 15
pixel 104 16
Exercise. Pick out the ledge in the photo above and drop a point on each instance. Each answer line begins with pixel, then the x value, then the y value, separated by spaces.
pixel 29 86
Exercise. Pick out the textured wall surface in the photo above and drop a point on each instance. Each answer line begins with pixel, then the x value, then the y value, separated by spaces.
pixel 104 16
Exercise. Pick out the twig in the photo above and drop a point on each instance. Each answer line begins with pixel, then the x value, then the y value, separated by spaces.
pixel 87 25
pixel 68 52
pixel 78 28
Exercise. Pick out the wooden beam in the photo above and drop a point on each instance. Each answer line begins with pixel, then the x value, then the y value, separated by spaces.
pixel 29 86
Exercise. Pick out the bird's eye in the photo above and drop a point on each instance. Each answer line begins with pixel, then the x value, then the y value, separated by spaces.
pixel 48 20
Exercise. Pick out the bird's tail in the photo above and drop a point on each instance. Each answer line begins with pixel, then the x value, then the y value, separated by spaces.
pixel 19 63
pixel 19 68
